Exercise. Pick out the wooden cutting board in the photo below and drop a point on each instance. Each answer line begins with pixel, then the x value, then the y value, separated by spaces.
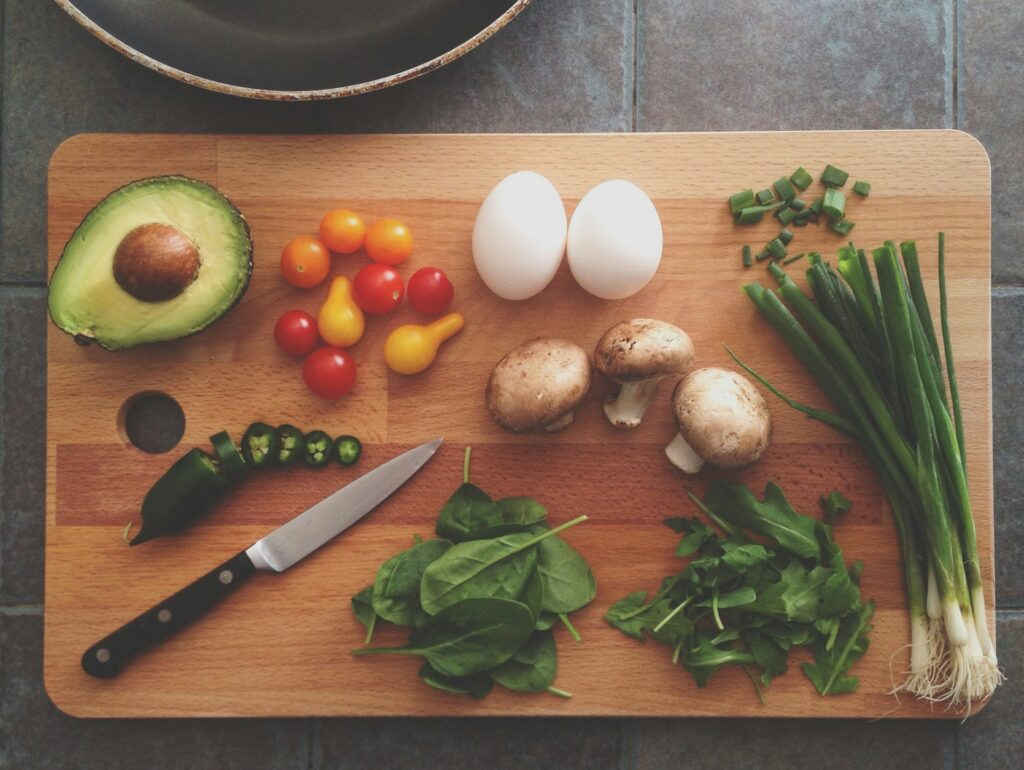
pixel 281 645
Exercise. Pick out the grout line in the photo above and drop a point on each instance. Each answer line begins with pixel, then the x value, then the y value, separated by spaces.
pixel 1007 291
pixel 636 39
pixel 951 73
pixel 1010 613
pixel 958 62
pixel 21 609
pixel 315 757
pixel 29 284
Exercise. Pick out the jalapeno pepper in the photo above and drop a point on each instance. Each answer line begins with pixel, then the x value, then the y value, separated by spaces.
pixel 347 450
pixel 260 445
pixel 230 458
pixel 318 449
pixel 291 444
pixel 186 490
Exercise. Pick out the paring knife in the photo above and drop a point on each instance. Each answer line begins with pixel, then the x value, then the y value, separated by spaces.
pixel 287 545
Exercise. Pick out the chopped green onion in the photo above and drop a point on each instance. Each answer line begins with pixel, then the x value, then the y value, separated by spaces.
pixel 804 217
pixel 762 255
pixel 843 226
pixel 794 258
pixel 786 236
pixel 741 200
pixel 747 258
pixel 834 205
pixel 766 196
pixel 752 214
pixel 817 204
pixel 776 248
pixel 799 204
pixel 862 188
pixel 801 178
pixel 834 177
pixel 785 189
pixel 814 257
pixel 786 215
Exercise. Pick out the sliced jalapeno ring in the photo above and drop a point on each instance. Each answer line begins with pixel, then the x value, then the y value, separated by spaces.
pixel 347 450
pixel 318 449
pixel 260 445
pixel 228 454
pixel 291 444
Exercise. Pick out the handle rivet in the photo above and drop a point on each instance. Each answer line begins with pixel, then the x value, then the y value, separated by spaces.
pixel 103 655
pixel 225 576
pixel 164 615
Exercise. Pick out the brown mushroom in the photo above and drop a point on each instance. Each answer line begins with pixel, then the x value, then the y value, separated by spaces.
pixel 637 355
pixel 723 420
pixel 538 385
pixel 155 262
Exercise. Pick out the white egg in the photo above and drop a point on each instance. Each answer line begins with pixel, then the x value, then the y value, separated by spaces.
pixel 615 240
pixel 519 235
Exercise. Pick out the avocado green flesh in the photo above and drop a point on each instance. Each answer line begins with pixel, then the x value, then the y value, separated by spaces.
pixel 86 301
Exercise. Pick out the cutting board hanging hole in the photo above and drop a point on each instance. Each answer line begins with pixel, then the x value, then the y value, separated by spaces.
pixel 152 421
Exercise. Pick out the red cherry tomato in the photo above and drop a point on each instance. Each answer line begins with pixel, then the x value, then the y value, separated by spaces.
pixel 329 372
pixel 378 288
pixel 296 333
pixel 430 291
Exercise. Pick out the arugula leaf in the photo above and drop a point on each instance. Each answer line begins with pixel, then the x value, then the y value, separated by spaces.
pixel 768 654
pixel 695 534
pixel 832 662
pixel 834 504
pixel 623 615
pixel 705 659
pixel 773 517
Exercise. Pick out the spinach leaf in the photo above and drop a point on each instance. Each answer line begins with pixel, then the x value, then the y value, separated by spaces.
pixel 568 580
pixel 467 511
pixel 466 638
pixel 475 685
pixel 521 511
pixel 545 621
pixel 531 669
pixel 362 607
pixel 396 591
pixel 498 567
pixel 773 518
pixel 533 595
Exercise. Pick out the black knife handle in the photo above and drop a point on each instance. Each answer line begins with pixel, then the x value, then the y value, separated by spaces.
pixel 105 658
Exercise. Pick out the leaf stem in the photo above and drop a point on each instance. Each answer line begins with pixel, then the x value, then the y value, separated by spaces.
pixel 465 465
pixel 675 611
pixel 572 629
pixel 559 693
pixel 370 627
pixel 753 681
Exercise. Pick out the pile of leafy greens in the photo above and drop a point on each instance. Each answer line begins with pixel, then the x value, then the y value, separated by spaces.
pixel 774 580
pixel 481 599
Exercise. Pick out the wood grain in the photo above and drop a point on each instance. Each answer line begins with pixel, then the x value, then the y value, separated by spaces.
pixel 281 646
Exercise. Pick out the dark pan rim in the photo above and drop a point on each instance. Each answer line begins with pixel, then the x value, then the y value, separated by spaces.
pixel 294 96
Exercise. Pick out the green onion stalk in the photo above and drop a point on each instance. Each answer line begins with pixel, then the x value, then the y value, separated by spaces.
pixel 869 343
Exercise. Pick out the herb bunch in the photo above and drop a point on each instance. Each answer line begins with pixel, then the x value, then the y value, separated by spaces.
pixel 748 602
pixel 481 599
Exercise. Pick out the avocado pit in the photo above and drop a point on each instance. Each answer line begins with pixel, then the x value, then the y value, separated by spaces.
pixel 155 262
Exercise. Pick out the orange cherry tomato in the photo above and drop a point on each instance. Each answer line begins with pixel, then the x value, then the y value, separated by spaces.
pixel 388 241
pixel 305 262
pixel 342 231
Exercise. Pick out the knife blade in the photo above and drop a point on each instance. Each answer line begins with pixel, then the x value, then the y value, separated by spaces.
pixel 284 547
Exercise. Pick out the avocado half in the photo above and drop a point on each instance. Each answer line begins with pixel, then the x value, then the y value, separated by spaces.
pixel 157 259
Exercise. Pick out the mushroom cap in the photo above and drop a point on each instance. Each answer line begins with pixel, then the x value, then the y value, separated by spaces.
pixel 723 417
pixel 641 349
pixel 537 384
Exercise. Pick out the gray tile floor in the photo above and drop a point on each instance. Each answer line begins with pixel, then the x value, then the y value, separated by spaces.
pixel 565 65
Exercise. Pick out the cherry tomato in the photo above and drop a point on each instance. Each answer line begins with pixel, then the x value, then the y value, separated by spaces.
pixel 342 231
pixel 388 241
pixel 296 333
pixel 430 291
pixel 329 372
pixel 305 262
pixel 379 289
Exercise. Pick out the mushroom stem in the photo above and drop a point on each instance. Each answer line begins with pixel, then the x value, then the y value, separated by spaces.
pixel 562 422
pixel 681 455
pixel 628 408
